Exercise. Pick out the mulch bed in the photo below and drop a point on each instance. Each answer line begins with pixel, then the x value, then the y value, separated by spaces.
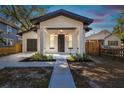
pixel 107 74
pixel 80 61
pixel 31 60
pixel 25 77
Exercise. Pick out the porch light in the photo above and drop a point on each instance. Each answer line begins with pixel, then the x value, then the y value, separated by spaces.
pixel 61 31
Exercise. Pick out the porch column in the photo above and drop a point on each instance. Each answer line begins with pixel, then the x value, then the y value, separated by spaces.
pixel 38 40
pixel 81 40
pixel 75 41
pixel 41 40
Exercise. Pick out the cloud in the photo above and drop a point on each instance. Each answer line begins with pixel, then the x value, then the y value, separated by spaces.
pixel 101 14
pixel 103 20
pixel 98 20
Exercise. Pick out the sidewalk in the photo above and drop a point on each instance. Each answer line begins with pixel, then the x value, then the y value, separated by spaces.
pixel 61 76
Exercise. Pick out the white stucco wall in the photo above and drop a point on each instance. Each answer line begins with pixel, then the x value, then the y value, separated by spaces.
pixel 113 38
pixel 25 36
pixel 43 36
pixel 61 22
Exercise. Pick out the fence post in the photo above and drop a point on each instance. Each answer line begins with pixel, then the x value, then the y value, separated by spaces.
pixel 99 49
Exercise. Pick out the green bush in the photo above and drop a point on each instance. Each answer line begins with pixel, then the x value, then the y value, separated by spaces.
pixel 71 58
pixel 85 57
pixel 78 57
pixel 39 56
pixel 50 57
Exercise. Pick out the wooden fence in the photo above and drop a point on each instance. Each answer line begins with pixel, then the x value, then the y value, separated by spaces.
pixel 112 52
pixel 10 50
pixel 92 48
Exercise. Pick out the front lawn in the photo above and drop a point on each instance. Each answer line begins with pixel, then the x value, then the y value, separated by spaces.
pixel 38 57
pixel 26 77
pixel 103 73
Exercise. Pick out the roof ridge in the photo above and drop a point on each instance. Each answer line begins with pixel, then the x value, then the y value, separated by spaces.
pixel 63 12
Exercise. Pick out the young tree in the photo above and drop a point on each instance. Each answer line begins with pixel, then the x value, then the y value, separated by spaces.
pixel 20 15
pixel 119 28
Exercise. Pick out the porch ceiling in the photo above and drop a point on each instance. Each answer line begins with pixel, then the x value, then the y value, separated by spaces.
pixel 72 28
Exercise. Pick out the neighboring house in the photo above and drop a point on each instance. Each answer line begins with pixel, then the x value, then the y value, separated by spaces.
pixel 9 32
pixel 106 39
pixel 60 31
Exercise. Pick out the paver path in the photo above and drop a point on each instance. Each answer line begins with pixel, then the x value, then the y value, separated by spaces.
pixel 61 76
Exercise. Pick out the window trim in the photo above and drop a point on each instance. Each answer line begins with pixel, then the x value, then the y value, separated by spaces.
pixel 112 43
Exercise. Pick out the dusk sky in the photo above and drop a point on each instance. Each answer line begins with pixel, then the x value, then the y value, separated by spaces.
pixel 104 16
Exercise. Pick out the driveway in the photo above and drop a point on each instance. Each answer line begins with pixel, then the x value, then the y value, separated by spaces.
pixel 15 57
pixel 13 61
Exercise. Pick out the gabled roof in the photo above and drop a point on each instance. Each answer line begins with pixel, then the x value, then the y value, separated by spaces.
pixel 100 35
pixel 32 29
pixel 50 15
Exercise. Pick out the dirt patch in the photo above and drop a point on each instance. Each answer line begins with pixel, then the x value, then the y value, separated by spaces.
pixel 26 77
pixel 106 74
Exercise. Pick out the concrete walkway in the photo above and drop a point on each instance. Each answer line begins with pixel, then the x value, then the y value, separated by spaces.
pixel 61 76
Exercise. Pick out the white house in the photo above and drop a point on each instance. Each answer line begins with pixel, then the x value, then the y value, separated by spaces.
pixel 106 39
pixel 60 31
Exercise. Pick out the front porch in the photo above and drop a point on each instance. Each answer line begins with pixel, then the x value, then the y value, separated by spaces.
pixel 61 41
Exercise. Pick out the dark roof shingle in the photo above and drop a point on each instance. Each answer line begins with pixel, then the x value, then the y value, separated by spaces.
pixel 50 15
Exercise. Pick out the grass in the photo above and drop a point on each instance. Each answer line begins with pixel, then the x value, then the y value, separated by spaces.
pixel 26 77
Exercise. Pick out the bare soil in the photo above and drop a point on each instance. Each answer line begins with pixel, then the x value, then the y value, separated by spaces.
pixel 105 73
pixel 26 77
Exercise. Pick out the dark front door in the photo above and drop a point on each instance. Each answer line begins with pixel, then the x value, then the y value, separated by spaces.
pixel 61 43
pixel 31 44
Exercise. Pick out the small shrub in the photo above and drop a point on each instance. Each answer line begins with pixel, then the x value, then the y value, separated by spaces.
pixel 50 57
pixel 44 57
pixel 37 56
pixel 71 58
pixel 79 58
pixel 85 57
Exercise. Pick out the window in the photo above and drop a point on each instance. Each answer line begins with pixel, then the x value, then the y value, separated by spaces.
pixel 9 29
pixel 9 42
pixel 70 41
pixel 112 43
pixel 51 41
